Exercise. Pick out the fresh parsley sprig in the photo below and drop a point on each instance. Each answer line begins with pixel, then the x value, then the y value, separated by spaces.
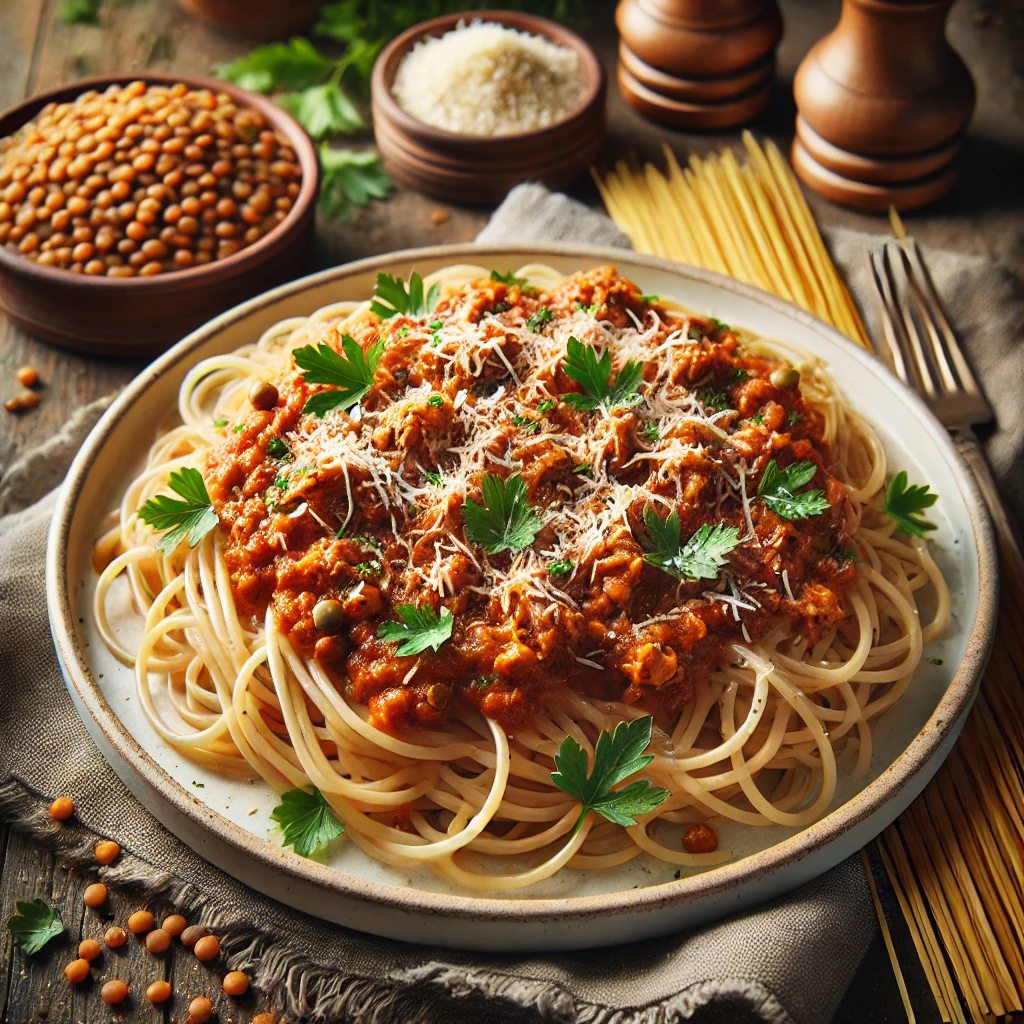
pixel 350 375
pixel 506 521
pixel 617 755
pixel 34 925
pixel 778 491
pixel 192 518
pixel 419 629
pixel 700 558
pixel 307 821
pixel 593 373
pixel 904 505
pixel 561 568
pixel 401 299
pixel 350 179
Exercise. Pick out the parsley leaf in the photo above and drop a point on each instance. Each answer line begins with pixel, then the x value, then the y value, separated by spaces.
pixel 546 406
pixel 719 325
pixel 193 518
pixel 307 821
pixel 904 505
pixel 350 178
pixel 34 925
pixel 539 319
pixel 699 558
pixel 562 568
pixel 794 418
pixel 778 489
pixel 434 478
pixel 322 110
pixel 510 279
pixel 528 425
pixel 419 629
pixel 296 64
pixel 694 333
pixel 592 373
pixel 436 401
pixel 351 375
pixel 617 755
pixel 400 299
pixel 713 398
pixel 650 298
pixel 589 310
pixel 220 423
pixel 506 521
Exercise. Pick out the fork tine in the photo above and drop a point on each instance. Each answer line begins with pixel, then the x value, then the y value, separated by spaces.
pixel 926 314
pixel 922 370
pixel 890 318
pixel 919 274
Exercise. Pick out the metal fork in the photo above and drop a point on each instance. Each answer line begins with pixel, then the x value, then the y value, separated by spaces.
pixel 922 350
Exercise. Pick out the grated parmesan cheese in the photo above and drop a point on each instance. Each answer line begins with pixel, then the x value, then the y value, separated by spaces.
pixel 487 79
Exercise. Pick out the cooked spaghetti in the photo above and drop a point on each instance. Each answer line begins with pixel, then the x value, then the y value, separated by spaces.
pixel 443 535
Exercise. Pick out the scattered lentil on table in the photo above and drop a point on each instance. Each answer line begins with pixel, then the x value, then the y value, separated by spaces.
pixel 140 922
pixel 63 807
pixel 143 179
pixel 115 937
pixel 95 895
pixel 107 851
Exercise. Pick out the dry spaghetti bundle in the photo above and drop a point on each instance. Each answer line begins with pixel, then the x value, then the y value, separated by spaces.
pixel 954 858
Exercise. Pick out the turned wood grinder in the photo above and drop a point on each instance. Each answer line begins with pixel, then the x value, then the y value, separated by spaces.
pixel 883 103
pixel 702 65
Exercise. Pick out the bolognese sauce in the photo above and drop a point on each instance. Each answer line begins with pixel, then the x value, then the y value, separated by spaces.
pixel 335 521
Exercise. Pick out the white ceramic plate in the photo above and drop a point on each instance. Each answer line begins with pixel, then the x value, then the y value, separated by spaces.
pixel 228 821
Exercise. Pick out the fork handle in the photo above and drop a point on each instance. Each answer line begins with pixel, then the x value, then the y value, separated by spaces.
pixel 1009 549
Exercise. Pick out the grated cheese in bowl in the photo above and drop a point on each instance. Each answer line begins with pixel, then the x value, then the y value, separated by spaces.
pixel 488 79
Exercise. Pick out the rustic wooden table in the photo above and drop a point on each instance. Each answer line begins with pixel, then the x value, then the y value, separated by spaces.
pixel 984 214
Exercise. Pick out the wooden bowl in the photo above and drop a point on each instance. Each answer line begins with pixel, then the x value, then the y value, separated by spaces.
pixel 482 168
pixel 140 316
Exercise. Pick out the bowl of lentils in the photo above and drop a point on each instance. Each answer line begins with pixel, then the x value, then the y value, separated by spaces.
pixel 133 211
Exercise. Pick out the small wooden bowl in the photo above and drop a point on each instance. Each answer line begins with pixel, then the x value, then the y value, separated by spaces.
pixel 482 168
pixel 141 316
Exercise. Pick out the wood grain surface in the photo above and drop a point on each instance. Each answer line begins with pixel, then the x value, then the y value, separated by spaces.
pixel 983 214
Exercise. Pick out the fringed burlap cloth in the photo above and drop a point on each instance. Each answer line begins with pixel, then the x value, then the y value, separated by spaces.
pixel 790 961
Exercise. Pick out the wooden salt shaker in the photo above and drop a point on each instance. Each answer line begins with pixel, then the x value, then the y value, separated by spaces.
pixel 697 64
pixel 883 103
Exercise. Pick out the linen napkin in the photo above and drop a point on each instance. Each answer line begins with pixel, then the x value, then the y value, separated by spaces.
pixel 788 962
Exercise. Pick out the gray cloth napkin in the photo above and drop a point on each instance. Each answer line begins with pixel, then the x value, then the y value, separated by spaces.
pixel 786 963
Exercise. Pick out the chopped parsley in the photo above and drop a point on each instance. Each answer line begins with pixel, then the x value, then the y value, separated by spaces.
pixel 651 433
pixel 794 418
pixel 694 333
pixel 700 558
pixel 350 376
pixel 220 423
pixel 482 681
pixel 934 661
pixel 510 279
pixel 506 521
pixel 306 820
pixel 34 925
pixel 844 554
pixel 419 629
pixel 584 470
pixel 715 398
pixel 561 568
pixel 546 406
pixel 281 481
pixel 238 428
pixel 530 426
pixel 368 568
pixel 539 319
pixel 593 373
pixel 199 785
pixel 719 325
pixel 617 755
pixel 589 310
pixel 778 490
pixel 403 331
pixel 759 418
pixel 192 518
pixel 278 449
pixel 436 401
pixel 904 505
pixel 650 298
pixel 400 299
pixel 434 478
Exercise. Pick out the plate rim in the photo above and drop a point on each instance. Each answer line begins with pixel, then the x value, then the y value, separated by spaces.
pixel 947 716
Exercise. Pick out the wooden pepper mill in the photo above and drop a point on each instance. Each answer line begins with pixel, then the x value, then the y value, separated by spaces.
pixel 697 64
pixel 883 103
